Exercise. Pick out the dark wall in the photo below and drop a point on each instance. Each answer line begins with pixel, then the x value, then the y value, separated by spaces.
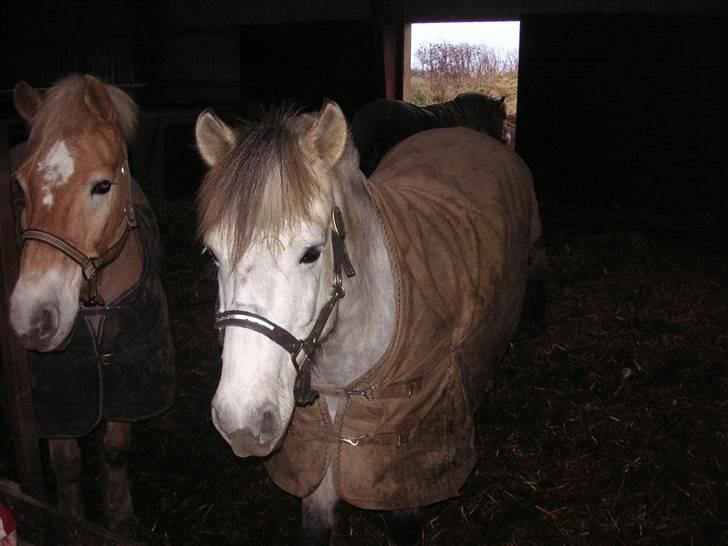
pixel 613 105
pixel 625 107
pixel 307 62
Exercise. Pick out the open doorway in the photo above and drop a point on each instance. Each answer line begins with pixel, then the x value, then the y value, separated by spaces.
pixel 447 59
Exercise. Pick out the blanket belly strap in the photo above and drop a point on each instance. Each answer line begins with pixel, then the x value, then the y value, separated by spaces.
pixel 390 439
pixel 406 389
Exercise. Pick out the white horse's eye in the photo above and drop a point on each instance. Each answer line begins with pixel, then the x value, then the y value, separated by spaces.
pixel 211 254
pixel 311 255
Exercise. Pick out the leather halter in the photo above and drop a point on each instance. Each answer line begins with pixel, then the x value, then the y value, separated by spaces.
pixel 90 265
pixel 308 346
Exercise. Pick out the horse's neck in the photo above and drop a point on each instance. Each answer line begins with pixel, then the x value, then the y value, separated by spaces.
pixel 125 271
pixel 366 316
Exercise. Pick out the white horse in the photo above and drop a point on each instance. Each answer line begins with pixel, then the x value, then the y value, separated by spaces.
pixel 366 399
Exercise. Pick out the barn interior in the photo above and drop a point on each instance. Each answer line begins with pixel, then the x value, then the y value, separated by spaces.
pixel 606 425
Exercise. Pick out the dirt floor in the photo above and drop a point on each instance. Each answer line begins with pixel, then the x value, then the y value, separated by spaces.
pixel 608 427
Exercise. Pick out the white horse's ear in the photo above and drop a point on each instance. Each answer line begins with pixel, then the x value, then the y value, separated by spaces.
pixel 214 137
pixel 327 137
pixel 27 100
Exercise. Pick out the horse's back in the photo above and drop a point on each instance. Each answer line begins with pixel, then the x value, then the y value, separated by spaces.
pixel 461 209
pixel 469 162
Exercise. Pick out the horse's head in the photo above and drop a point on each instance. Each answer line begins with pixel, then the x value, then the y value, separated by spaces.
pixel 483 113
pixel 265 211
pixel 76 184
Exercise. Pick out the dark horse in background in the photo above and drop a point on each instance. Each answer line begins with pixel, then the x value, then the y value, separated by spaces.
pixel 381 124
pixel 88 303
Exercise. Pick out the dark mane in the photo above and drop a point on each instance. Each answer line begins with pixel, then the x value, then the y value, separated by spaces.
pixel 266 184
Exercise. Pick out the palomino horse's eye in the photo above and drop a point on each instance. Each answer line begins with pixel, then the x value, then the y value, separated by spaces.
pixel 311 255
pixel 101 187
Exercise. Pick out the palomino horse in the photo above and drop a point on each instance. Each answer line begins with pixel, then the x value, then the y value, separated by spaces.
pixel 379 125
pixel 366 399
pixel 88 302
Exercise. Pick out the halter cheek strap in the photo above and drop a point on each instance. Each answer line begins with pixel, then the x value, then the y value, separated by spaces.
pixel 90 265
pixel 308 346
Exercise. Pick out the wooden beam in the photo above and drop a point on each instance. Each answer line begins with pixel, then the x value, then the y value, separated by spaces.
pixel 18 398
pixel 40 523
pixel 392 34
pixel 406 62
pixel 389 50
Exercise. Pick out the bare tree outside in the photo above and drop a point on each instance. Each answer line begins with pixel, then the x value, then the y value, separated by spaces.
pixel 443 70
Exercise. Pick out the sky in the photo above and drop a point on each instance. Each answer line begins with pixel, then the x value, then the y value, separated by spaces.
pixel 500 35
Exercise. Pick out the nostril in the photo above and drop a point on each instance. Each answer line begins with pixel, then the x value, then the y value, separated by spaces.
pixel 48 323
pixel 269 427
pixel 269 424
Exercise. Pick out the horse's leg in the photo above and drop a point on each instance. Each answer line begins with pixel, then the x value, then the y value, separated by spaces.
pixel 118 506
pixel 404 526
pixel 533 317
pixel 319 515
pixel 66 463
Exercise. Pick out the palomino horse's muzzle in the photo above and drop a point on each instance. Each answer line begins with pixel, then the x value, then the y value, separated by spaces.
pixel 306 348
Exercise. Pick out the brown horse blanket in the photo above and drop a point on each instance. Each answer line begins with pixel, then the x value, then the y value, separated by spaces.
pixel 124 369
pixel 381 124
pixel 462 222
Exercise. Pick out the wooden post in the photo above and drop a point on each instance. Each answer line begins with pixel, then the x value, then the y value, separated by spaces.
pixel 389 51
pixel 17 392
pixel 406 49
pixel 392 34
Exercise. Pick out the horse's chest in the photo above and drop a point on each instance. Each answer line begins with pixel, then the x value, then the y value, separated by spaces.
pixel 118 365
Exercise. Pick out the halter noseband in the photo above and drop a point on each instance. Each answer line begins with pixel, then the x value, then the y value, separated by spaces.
pixel 302 390
pixel 90 265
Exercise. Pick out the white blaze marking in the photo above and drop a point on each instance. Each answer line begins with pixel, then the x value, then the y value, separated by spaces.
pixel 57 167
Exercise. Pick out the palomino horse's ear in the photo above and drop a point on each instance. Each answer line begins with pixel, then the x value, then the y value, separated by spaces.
pixel 97 99
pixel 26 99
pixel 327 137
pixel 214 137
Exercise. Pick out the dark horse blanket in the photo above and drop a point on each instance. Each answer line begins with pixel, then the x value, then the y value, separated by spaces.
pixel 462 226
pixel 124 369
pixel 379 125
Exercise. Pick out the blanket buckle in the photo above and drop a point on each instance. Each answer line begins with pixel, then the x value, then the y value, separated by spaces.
pixel 352 441
pixel 367 393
